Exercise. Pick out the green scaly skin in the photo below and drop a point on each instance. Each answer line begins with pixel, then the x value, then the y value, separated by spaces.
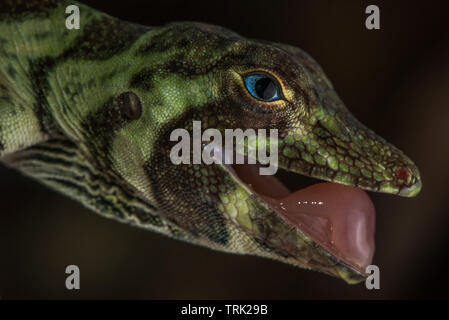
pixel 61 124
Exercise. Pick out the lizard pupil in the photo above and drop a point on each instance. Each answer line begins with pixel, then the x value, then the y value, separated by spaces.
pixel 265 88
pixel 262 87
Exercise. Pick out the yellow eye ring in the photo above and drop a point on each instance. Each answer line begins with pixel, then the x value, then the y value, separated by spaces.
pixel 283 92
pixel 262 86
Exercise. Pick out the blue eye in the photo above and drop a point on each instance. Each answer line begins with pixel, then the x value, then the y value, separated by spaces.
pixel 262 87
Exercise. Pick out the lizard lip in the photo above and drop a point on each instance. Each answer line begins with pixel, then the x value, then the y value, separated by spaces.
pixel 340 219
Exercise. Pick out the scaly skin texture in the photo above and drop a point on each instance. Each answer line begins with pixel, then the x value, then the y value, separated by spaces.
pixel 62 122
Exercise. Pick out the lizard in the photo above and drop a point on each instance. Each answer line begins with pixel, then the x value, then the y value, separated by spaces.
pixel 88 112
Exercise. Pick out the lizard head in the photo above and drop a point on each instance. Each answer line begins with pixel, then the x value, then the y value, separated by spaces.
pixel 212 75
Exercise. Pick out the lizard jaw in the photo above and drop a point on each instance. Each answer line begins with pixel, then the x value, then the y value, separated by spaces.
pixel 340 219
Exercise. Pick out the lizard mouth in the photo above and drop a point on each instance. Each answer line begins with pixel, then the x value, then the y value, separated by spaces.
pixel 340 219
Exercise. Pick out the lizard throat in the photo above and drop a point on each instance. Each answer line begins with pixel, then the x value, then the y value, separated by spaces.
pixel 340 219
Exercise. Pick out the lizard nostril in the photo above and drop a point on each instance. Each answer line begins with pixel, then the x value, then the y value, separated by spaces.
pixel 404 174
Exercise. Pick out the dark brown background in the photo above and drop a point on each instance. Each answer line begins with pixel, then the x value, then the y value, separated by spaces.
pixel 395 80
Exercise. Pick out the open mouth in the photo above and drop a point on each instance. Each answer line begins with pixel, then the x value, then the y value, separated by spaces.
pixel 340 219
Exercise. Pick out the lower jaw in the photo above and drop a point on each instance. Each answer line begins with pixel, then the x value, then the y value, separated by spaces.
pixel 340 219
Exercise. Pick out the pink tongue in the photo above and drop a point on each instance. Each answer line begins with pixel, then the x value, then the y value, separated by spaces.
pixel 340 218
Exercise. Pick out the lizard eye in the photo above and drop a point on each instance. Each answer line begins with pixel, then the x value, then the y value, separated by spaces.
pixel 262 87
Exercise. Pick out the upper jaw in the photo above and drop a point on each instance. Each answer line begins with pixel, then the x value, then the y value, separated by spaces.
pixel 412 190
pixel 340 149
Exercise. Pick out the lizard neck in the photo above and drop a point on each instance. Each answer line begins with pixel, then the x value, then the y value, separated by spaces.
pixel 66 80
pixel 59 120
pixel 63 83
pixel 40 76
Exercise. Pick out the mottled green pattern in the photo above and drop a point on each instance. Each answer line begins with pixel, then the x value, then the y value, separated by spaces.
pixel 62 122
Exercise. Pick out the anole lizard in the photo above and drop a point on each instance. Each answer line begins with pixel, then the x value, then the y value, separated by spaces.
pixel 89 113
